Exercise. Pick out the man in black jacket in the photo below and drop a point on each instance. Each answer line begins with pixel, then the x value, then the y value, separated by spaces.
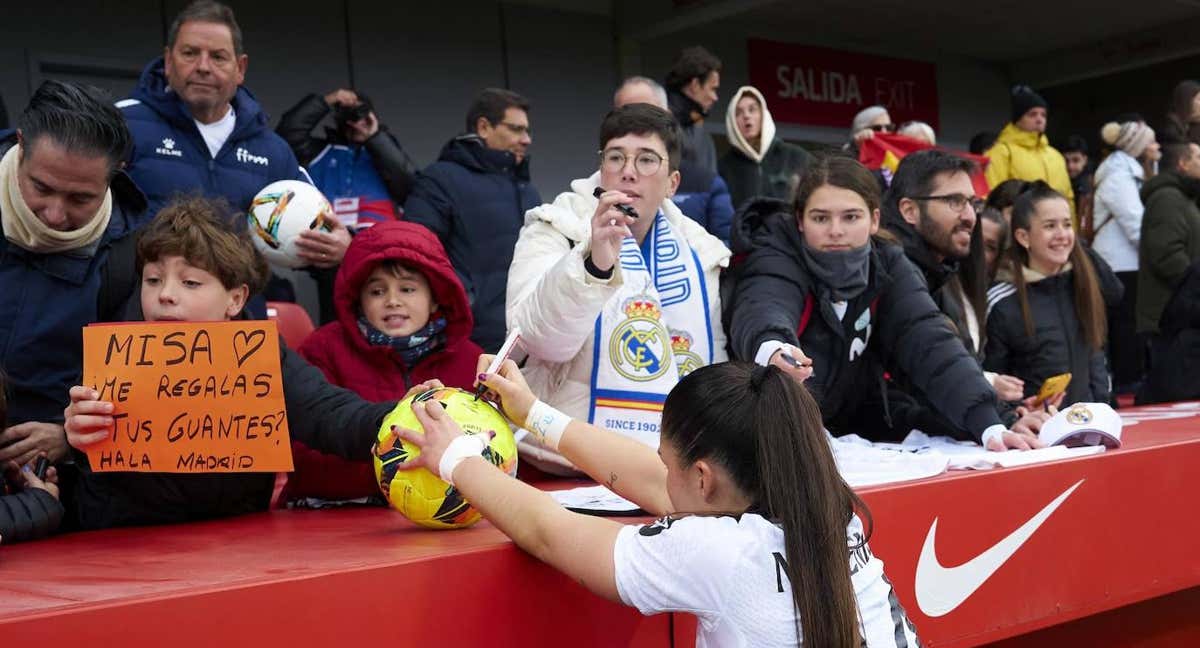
pixel 474 198
pixel 931 209
pixel 66 206
pixel 1175 349
pixel 692 86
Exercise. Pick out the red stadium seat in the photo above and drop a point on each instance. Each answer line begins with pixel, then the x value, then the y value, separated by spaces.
pixel 293 321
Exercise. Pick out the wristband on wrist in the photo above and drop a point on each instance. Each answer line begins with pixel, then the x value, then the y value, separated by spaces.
pixel 547 424
pixel 590 267
pixel 465 446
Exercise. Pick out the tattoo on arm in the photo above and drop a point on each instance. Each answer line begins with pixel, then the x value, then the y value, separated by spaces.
pixel 612 479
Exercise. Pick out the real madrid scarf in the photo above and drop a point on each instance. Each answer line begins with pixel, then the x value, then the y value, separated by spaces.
pixel 25 229
pixel 653 331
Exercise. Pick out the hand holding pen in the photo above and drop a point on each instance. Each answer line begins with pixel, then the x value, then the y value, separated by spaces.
pixel 505 351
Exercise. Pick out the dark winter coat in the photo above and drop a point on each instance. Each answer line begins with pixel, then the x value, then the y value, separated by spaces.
pixel 1170 243
pixel 697 145
pixel 170 156
pixel 376 373
pixel 1057 345
pixel 772 178
pixel 31 514
pixel 1175 350
pixel 703 197
pixel 474 199
pixel 892 325
pixel 938 275
pixel 46 299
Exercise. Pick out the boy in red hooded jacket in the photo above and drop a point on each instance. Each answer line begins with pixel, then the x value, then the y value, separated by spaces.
pixel 402 319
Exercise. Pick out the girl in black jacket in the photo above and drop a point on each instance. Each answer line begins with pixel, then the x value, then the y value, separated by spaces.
pixel 1047 316
pixel 815 278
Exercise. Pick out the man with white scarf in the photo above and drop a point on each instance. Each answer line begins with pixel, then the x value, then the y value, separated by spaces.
pixel 64 205
pixel 613 308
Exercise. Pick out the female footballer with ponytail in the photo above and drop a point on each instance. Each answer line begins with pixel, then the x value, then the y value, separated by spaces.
pixel 760 541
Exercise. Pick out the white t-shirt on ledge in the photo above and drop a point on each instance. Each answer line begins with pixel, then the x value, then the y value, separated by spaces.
pixel 729 572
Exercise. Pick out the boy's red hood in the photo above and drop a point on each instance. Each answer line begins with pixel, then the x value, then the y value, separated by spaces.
pixel 415 247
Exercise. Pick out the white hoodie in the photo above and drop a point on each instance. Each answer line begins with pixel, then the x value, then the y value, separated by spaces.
pixel 767 136
pixel 1117 213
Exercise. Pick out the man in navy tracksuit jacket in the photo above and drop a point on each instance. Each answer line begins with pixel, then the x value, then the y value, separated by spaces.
pixel 170 155
pixel 195 129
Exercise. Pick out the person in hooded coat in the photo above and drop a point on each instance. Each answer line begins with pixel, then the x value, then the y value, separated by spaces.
pixel 758 163
pixel 820 296
pixel 380 355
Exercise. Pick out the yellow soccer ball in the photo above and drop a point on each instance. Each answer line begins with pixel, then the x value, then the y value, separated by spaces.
pixel 421 495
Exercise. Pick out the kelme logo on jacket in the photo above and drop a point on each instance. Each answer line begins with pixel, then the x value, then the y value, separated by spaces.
pixel 168 148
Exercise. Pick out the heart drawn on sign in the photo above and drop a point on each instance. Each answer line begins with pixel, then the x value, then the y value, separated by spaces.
pixel 245 343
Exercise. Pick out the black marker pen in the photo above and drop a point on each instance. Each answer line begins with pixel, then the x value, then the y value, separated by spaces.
pixel 624 209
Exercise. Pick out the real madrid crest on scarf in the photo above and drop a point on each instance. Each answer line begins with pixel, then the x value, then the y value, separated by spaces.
pixel 641 348
pixel 653 331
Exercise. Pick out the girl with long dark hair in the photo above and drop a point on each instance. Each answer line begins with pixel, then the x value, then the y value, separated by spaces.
pixel 1047 316
pixel 754 503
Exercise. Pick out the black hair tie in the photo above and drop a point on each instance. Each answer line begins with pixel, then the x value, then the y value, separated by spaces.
pixel 757 376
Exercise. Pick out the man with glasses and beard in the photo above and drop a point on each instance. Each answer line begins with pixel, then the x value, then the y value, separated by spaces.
pixel 932 210
pixel 474 198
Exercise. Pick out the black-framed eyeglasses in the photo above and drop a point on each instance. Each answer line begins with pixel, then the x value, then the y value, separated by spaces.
pixel 519 129
pixel 883 128
pixel 957 202
pixel 647 163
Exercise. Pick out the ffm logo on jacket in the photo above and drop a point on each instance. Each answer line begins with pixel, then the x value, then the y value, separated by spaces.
pixel 168 148
pixel 247 157
pixel 652 332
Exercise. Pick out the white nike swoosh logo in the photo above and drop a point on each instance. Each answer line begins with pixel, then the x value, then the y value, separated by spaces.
pixel 941 589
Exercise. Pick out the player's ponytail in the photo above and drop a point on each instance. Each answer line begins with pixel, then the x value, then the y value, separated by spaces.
pixel 766 430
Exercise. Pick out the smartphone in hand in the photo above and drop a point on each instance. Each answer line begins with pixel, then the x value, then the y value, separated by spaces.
pixel 1053 386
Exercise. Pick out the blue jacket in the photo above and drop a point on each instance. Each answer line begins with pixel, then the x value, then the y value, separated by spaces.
pixel 474 199
pixel 371 179
pixel 45 301
pixel 170 156
pixel 712 208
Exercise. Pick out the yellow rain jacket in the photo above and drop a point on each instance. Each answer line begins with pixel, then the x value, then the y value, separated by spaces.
pixel 1025 155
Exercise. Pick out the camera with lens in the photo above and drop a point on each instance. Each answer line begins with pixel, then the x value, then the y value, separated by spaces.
pixel 347 114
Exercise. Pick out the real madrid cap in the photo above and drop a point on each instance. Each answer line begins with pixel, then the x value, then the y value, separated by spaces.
pixel 1083 424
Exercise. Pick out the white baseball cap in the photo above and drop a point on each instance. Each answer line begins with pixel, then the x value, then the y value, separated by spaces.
pixel 1083 424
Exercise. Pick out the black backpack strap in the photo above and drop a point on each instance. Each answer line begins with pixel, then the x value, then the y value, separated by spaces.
pixel 118 279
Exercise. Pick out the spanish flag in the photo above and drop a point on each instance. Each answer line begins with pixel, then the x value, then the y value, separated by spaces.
pixel 884 151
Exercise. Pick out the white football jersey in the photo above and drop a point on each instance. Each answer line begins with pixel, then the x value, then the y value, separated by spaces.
pixel 730 572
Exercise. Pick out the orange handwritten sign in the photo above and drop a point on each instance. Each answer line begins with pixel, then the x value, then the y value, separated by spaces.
pixel 189 397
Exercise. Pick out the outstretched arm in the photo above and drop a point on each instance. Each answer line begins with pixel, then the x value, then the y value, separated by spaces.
pixel 630 468
pixel 580 546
